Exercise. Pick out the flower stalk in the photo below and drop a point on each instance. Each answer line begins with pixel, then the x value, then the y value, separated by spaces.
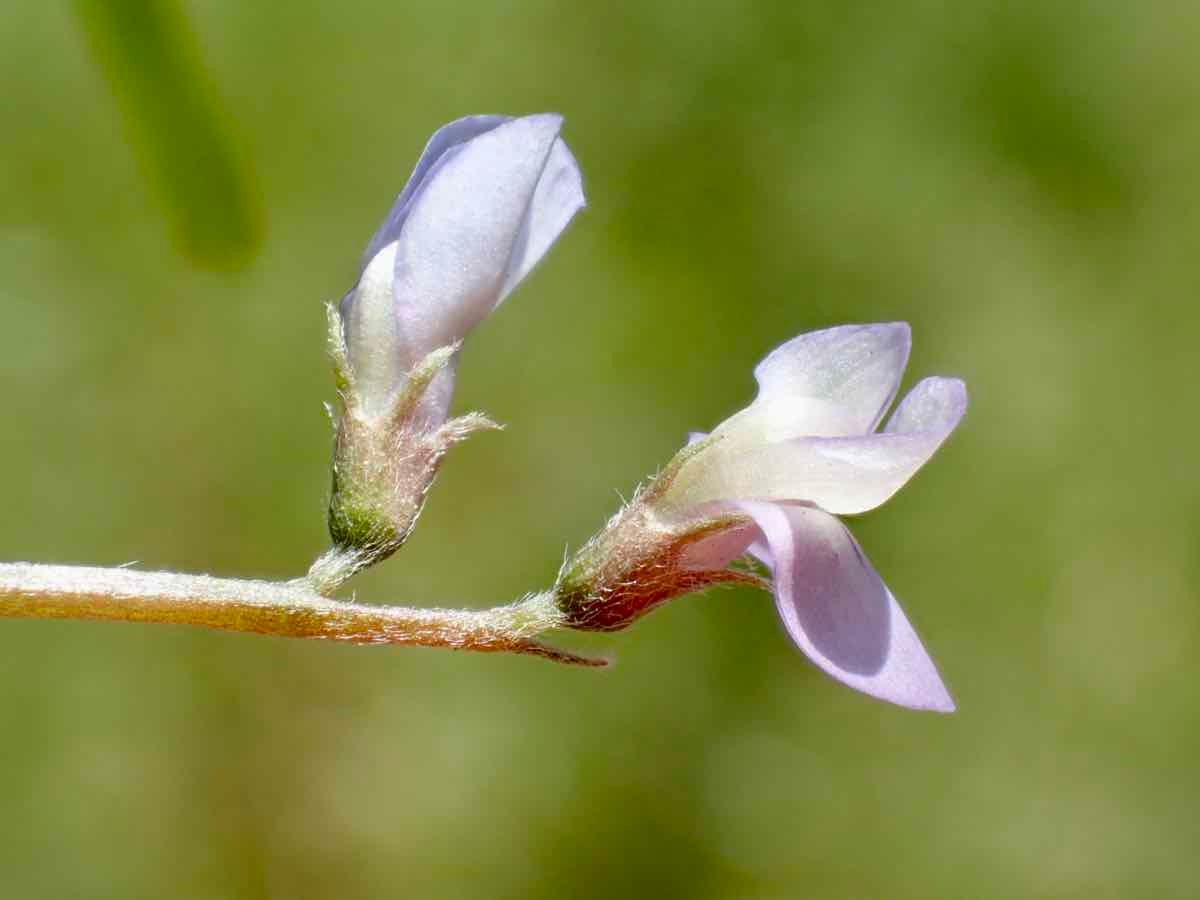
pixel 283 609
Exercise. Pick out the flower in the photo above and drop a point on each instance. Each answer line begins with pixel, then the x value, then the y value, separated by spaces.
pixel 770 481
pixel 487 199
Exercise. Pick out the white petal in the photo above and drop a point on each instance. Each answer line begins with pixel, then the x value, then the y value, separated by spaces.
pixel 444 139
pixel 837 609
pixel 842 475
pixel 372 333
pixel 934 404
pixel 455 246
pixel 831 383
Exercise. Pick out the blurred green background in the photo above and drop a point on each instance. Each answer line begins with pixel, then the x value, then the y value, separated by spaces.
pixel 1021 181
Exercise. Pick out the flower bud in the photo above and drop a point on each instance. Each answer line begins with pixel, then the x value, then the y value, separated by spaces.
pixel 487 199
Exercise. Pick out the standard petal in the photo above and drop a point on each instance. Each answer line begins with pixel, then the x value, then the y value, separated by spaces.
pixel 444 139
pixel 454 248
pixel 837 609
pixel 832 383
pixel 556 200
pixel 842 475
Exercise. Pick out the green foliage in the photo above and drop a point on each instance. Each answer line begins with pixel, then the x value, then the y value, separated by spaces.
pixel 176 123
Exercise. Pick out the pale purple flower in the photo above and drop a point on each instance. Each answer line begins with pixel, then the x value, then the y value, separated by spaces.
pixel 770 481
pixel 487 199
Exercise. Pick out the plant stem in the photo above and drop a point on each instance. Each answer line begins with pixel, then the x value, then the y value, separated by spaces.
pixel 284 609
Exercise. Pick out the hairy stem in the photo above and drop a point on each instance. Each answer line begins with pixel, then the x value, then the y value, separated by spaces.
pixel 284 609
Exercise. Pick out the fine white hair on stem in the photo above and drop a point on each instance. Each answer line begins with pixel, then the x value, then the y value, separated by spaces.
pixel 283 609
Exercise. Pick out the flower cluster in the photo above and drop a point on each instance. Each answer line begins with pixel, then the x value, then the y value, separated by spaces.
pixel 487 199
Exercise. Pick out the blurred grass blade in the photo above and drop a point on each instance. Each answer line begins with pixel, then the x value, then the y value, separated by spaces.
pixel 179 129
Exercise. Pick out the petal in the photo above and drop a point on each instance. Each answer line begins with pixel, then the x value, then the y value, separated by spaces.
pixel 837 609
pixel 842 475
pixel 462 229
pixel 558 196
pixel 831 383
pixel 444 139
pixel 718 550
pixel 376 349
pixel 935 404
pixel 372 333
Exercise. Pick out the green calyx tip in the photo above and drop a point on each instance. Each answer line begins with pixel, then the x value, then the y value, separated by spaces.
pixel 343 375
